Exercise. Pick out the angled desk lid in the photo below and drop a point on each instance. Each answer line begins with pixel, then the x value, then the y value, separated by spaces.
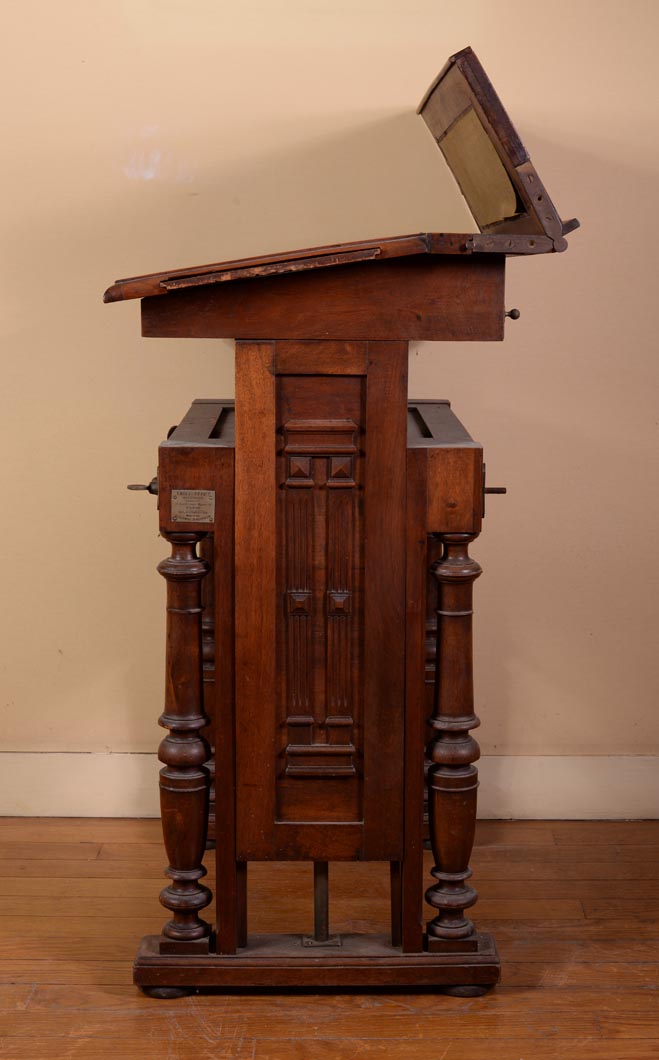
pixel 490 164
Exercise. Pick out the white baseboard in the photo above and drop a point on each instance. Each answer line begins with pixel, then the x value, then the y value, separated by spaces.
pixel 54 784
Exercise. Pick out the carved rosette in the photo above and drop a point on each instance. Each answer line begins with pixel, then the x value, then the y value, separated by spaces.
pixel 184 780
pixel 453 777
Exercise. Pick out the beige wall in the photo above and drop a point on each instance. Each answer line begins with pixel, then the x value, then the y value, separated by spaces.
pixel 158 133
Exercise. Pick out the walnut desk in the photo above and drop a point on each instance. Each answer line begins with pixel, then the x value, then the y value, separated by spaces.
pixel 303 524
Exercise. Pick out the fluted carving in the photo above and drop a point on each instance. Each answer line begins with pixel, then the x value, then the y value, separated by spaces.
pixel 320 478
pixel 453 777
pixel 184 780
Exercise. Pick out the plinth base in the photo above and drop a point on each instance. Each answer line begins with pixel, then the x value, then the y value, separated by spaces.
pixel 280 961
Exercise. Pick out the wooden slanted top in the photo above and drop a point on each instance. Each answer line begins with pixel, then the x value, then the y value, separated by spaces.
pixel 275 264
pixel 511 207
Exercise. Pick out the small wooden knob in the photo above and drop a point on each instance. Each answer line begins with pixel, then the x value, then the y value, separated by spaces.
pixel 514 314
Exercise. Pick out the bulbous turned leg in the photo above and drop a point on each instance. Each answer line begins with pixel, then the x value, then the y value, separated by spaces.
pixel 434 552
pixel 207 553
pixel 184 780
pixel 452 777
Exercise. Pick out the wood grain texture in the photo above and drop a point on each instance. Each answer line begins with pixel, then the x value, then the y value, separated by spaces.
pixel 452 298
pixel 320 456
pixel 571 986
pixel 255 498
pixel 184 780
pixel 158 283
pixel 229 919
pixel 384 587
pixel 79 1048
pixel 467 1049
pixel 416 713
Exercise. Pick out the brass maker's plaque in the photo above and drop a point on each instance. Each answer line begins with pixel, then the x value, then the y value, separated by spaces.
pixel 193 506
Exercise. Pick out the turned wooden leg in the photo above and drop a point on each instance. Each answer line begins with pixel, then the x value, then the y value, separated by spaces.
pixel 206 552
pixel 453 778
pixel 184 780
pixel 434 552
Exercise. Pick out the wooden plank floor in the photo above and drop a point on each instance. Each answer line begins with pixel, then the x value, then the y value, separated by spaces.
pixel 574 907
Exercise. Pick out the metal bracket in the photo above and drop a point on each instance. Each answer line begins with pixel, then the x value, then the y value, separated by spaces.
pixel 333 941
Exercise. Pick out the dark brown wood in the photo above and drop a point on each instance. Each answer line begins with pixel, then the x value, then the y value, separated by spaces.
pixel 434 553
pixel 255 617
pixel 415 704
pixel 453 777
pixel 423 297
pixel 441 459
pixel 384 608
pixel 159 283
pixel 321 358
pixel 207 554
pixel 231 911
pixel 281 961
pixel 184 780
pixel 455 489
pixel 199 455
pixel 339 480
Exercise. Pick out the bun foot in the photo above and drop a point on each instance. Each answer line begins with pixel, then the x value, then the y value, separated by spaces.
pixel 466 991
pixel 166 992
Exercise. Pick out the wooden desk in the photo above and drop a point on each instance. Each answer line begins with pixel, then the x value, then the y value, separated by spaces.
pixel 319 503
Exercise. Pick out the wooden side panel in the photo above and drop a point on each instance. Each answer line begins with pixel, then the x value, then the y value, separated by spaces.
pixel 423 297
pixel 255 598
pixel 455 485
pixel 320 583
pixel 190 468
pixel 384 588
pixel 320 485
pixel 229 909
pixel 322 358
pixel 416 707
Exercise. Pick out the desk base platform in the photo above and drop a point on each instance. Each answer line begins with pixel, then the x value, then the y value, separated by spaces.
pixel 280 961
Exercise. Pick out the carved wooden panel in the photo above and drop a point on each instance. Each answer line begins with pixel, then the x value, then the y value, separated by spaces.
pixel 321 529
pixel 320 549
pixel 320 589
